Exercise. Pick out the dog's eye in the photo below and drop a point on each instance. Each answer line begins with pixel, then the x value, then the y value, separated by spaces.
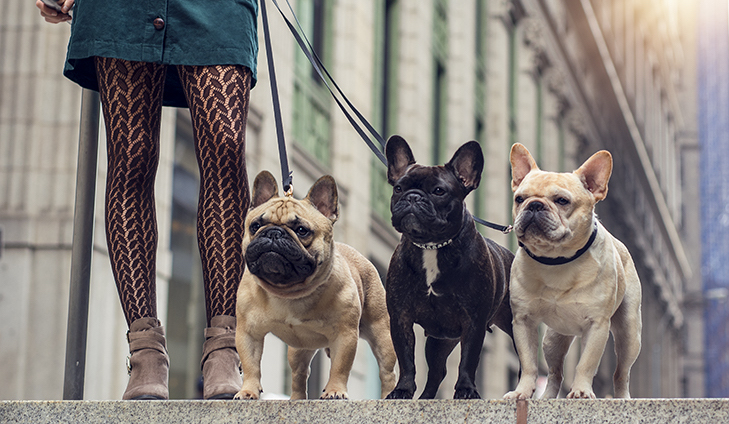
pixel 302 231
pixel 254 227
pixel 562 201
pixel 439 191
pixel 519 200
pixel 397 189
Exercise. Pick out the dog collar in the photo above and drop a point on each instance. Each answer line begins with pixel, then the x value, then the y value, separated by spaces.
pixel 433 246
pixel 561 260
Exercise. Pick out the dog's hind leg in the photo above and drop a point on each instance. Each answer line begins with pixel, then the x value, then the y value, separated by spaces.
pixel 626 326
pixel 299 361
pixel 436 355
pixel 555 347
pixel 377 335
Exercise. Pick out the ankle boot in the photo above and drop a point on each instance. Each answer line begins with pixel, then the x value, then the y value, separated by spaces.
pixel 149 363
pixel 220 361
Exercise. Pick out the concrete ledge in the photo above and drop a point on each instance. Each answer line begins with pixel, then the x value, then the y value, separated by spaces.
pixel 673 411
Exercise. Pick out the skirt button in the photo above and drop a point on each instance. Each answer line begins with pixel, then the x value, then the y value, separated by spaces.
pixel 158 23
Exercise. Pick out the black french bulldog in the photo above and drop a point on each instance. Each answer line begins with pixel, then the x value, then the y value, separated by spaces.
pixel 444 275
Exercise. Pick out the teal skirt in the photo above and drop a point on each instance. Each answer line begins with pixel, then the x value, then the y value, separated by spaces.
pixel 169 32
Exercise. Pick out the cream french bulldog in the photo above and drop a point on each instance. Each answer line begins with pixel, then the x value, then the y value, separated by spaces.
pixel 308 290
pixel 571 274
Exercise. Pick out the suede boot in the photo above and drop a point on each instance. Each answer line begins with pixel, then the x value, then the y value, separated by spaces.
pixel 220 361
pixel 149 363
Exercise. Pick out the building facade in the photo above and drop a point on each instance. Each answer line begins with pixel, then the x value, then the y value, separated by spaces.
pixel 565 78
pixel 713 68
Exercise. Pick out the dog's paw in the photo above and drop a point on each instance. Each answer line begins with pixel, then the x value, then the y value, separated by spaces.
pixel 518 395
pixel 400 394
pixel 467 393
pixel 334 394
pixel 581 394
pixel 246 395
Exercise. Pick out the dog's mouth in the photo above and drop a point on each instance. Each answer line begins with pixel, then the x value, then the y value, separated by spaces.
pixel 415 216
pixel 537 224
pixel 539 230
pixel 280 276
pixel 278 270
pixel 279 262
pixel 410 224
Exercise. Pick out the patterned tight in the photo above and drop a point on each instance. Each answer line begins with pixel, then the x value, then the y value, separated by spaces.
pixel 131 99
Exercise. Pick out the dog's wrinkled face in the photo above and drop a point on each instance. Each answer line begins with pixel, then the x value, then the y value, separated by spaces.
pixel 288 242
pixel 553 212
pixel 427 201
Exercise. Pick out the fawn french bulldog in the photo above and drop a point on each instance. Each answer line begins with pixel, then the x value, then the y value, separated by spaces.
pixel 571 274
pixel 308 290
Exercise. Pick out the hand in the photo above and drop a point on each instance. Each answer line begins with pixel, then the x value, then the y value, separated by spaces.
pixel 54 16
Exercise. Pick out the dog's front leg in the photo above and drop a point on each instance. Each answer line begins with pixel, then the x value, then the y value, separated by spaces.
pixel 250 350
pixel 436 356
pixel 555 347
pixel 471 346
pixel 403 339
pixel 526 339
pixel 594 341
pixel 342 352
pixel 299 361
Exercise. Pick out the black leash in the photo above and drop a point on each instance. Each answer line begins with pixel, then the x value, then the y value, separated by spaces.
pixel 321 70
pixel 506 229
pixel 319 66
pixel 286 173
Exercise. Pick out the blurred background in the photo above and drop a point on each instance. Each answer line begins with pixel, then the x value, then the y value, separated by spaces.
pixel 646 79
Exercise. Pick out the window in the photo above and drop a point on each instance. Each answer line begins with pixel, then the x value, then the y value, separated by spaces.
pixel 515 15
pixel 385 96
pixel 513 84
pixel 312 102
pixel 481 35
pixel 440 80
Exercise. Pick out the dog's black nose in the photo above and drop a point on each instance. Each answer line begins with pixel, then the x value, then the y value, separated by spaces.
pixel 535 206
pixel 274 233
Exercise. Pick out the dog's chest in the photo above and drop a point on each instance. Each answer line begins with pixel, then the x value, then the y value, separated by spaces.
pixel 296 327
pixel 568 311
pixel 430 267
pixel 309 333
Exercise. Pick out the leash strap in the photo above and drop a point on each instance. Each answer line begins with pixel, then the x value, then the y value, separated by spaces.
pixel 506 229
pixel 320 64
pixel 283 158
pixel 321 70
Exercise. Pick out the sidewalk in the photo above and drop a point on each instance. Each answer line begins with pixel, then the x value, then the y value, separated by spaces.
pixel 673 411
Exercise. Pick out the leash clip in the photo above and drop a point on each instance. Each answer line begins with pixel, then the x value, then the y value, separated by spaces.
pixel 289 192
pixel 508 229
pixel 288 183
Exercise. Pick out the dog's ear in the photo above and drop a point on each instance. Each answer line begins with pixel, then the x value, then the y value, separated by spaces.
pixel 522 163
pixel 467 164
pixel 399 158
pixel 323 195
pixel 595 173
pixel 265 187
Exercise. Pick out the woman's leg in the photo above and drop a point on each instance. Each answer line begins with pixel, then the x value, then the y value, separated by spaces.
pixel 218 98
pixel 131 99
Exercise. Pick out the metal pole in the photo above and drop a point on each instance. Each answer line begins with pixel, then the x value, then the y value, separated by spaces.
pixel 83 232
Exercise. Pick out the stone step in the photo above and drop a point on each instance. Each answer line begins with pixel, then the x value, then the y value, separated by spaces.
pixel 645 411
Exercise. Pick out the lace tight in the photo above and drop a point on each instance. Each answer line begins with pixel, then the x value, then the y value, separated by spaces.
pixel 131 98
